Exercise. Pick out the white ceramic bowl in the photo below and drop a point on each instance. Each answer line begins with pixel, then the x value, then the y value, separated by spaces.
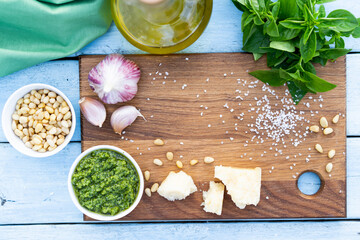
pixel 9 109
pixel 96 215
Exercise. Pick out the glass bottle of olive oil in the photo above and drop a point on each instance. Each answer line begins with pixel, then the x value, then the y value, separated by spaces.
pixel 161 26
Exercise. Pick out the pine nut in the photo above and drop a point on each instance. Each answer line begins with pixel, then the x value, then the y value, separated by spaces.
pixel 147 175
pixel 314 128
pixel 38 127
pixel 157 142
pixel 179 164
pixel 52 94
pixel 59 99
pixel 329 167
pixel 67 116
pixel 59 117
pixel 52 131
pixel 154 187
pixel 169 156
pixel 64 110
pixel 158 162
pixel 36 147
pixel 15 117
pixel 18 133
pixel 28 145
pixel 209 159
pixel 328 130
pixel 52 148
pixel 50 110
pixel 331 153
pixel 323 122
pixel 148 192
pixel 193 162
pixel 13 125
pixel 336 119
pixel 319 148
pixel 60 141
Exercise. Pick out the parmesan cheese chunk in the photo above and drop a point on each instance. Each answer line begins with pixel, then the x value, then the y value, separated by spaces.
pixel 177 186
pixel 213 199
pixel 242 184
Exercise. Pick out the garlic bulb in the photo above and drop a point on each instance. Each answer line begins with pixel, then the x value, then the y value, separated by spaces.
pixel 94 111
pixel 123 117
pixel 115 79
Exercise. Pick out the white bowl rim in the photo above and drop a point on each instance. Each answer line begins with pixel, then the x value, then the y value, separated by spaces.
pixel 98 216
pixel 15 140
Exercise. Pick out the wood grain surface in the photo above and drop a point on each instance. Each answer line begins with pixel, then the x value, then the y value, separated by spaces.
pixel 188 118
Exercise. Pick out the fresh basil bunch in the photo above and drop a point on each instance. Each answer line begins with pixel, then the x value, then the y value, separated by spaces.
pixel 294 35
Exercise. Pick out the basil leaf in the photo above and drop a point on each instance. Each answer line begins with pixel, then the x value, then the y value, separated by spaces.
pixel 272 29
pixel 339 42
pixel 307 34
pixel 274 59
pixel 286 34
pixel 271 77
pixel 317 84
pixel 288 9
pixel 275 10
pixel 356 32
pixel 293 24
pixel 322 12
pixel 240 4
pixel 258 20
pixel 244 16
pixel 256 40
pixel 309 67
pixel 348 24
pixel 283 45
pixel 296 93
pixel 308 50
pixel 324 1
pixel 257 56
pixel 333 53
pixel 320 60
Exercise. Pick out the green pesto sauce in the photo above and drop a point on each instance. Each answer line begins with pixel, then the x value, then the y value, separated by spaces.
pixel 105 182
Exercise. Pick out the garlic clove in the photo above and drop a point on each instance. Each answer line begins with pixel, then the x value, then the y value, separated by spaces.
pixel 123 117
pixel 94 111
pixel 115 79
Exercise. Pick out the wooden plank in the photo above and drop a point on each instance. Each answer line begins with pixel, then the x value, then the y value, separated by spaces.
pixel 27 182
pixel 60 74
pixel 352 94
pixel 223 33
pixel 250 230
pixel 173 114
pixel 36 189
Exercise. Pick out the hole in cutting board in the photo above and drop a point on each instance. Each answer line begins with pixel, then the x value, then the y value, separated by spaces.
pixel 310 183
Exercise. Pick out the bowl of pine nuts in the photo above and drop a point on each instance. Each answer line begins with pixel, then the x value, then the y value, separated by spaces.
pixel 38 120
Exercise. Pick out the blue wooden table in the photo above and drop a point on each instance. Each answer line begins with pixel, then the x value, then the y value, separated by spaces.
pixel 34 200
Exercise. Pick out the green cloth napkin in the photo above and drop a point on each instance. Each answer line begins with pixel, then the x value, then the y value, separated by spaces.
pixel 35 31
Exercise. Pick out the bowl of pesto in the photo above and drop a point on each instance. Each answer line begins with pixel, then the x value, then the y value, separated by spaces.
pixel 105 183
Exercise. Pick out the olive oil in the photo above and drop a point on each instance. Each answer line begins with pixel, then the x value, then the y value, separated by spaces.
pixel 161 26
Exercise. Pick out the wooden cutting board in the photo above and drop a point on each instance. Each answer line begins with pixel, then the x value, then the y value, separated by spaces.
pixel 206 105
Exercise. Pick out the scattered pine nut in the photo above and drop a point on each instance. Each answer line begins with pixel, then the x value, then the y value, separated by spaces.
pixel 314 128
pixel 179 164
pixel 328 130
pixel 319 148
pixel 331 153
pixel 148 192
pixel 154 187
pixel 158 162
pixel 169 156
pixel 329 167
pixel 147 175
pixel 209 159
pixel 323 122
pixel 159 142
pixel 336 119
pixel 193 162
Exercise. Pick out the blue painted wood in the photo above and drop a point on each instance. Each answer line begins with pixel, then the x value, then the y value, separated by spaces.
pixel 63 75
pixel 352 94
pixel 230 231
pixel 223 34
